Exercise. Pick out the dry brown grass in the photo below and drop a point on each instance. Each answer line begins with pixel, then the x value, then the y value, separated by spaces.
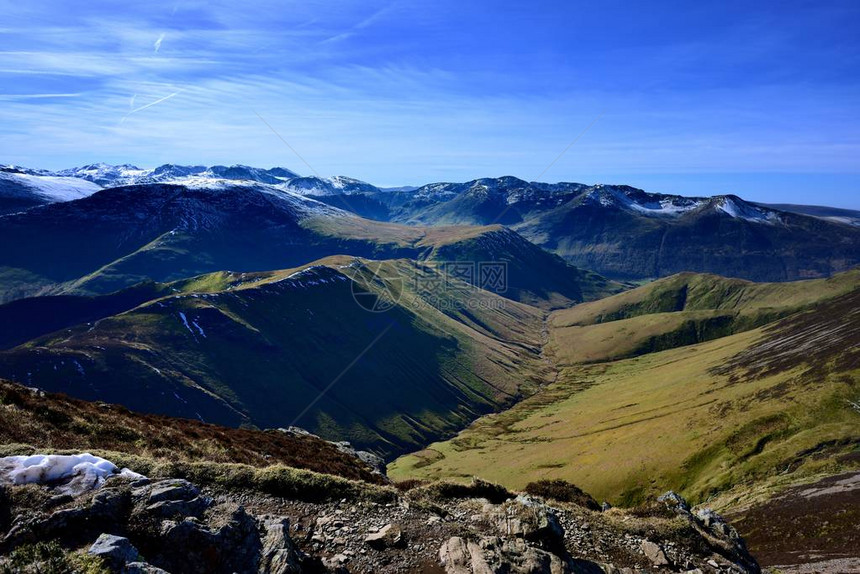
pixel 57 422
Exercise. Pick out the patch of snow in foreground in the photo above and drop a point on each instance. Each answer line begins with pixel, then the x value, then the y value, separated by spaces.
pixel 72 474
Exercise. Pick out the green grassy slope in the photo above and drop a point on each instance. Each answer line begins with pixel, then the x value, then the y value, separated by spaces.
pixel 260 349
pixel 703 419
pixel 680 310
pixel 534 276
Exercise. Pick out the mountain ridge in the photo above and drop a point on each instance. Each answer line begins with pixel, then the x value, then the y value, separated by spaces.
pixel 230 354
pixel 619 231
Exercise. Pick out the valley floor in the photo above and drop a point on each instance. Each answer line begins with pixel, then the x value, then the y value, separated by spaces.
pixel 634 428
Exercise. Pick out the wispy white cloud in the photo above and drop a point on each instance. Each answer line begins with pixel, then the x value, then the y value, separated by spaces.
pixel 157 45
pixel 149 105
pixel 15 97
pixel 397 93
pixel 362 24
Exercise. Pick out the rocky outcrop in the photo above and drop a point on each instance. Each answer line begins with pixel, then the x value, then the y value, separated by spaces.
pixel 179 529
pixel 115 551
pixel 279 554
pixel 491 554
pixel 530 519
pixel 374 462
pixel 229 541
pixel 145 526
pixel 729 549
pixel 525 536
pixel 654 553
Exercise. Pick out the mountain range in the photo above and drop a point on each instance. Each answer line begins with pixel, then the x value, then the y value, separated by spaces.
pixel 619 231
pixel 163 274
pixel 536 334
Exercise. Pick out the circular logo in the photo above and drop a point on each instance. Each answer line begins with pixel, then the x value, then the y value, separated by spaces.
pixel 375 286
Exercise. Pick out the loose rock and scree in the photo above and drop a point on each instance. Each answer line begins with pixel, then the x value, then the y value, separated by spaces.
pixel 129 523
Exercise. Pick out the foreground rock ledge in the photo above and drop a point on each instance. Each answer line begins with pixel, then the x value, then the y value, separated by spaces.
pixel 138 525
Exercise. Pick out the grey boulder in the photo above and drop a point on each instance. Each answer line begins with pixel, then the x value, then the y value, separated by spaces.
pixel 115 550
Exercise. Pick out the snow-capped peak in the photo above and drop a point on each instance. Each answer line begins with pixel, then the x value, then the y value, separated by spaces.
pixel 649 204
pixel 104 174
pixel 740 209
pixel 320 186
pixel 47 188
pixel 120 175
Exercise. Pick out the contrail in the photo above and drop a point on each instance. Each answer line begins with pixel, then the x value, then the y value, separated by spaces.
pixel 158 101
pixel 158 42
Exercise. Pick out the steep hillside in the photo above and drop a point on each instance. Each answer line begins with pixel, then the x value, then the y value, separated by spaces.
pixel 21 189
pixel 534 276
pixel 33 317
pixel 34 421
pixel 264 349
pixel 624 232
pixel 531 275
pixel 680 310
pixel 703 419
pixel 835 214
pixel 121 236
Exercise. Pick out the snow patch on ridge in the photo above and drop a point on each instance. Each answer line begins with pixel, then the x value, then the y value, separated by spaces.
pixel 313 275
pixel 740 209
pixel 51 188
pixel 185 322
pixel 654 205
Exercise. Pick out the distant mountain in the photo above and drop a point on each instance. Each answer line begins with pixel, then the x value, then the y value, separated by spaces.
pixel 618 231
pixel 21 189
pixel 166 232
pixel 337 185
pixel 124 235
pixel 102 175
pixel 507 200
pixel 118 175
pixel 121 175
pixel 627 233
pixel 838 215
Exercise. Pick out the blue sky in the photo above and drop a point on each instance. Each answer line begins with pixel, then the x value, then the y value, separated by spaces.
pixel 760 99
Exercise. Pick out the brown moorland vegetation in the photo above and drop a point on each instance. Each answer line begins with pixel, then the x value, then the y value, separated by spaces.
pixel 46 421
